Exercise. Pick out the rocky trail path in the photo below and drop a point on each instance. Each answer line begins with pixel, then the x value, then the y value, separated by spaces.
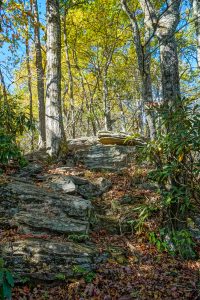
pixel 66 231
pixel 51 209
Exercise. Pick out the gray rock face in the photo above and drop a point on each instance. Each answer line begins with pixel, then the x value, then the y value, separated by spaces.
pixel 43 214
pixel 106 157
pixel 78 185
pixel 57 206
pixel 47 259
pixel 81 143
pixel 27 205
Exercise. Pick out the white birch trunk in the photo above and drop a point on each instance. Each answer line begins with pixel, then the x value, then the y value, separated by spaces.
pixel 168 52
pixel 54 121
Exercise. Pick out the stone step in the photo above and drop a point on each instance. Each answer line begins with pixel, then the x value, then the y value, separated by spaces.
pixel 27 205
pixel 47 259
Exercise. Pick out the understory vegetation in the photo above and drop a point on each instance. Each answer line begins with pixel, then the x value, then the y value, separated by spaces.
pixel 176 155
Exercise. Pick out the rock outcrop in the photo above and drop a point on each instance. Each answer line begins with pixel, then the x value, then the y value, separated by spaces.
pixel 109 151
pixel 46 215
pixel 81 143
pixel 78 185
pixel 106 157
pixel 46 209
pixel 33 208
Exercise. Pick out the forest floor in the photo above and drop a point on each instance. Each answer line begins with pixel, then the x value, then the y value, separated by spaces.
pixel 138 271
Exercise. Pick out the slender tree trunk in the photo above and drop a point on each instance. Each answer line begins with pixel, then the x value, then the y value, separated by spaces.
pixel 54 121
pixel 144 60
pixel 196 13
pixel 40 76
pixel 122 117
pixel 6 107
pixel 92 113
pixel 29 87
pixel 107 108
pixel 141 116
pixel 71 81
pixel 5 98
pixel 89 103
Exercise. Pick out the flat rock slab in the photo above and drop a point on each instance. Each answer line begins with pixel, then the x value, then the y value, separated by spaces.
pixel 24 204
pixel 111 138
pixel 106 157
pixel 47 259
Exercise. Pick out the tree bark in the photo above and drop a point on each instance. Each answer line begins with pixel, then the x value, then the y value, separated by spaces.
pixel 169 69
pixel 40 76
pixel 168 52
pixel 196 13
pixel 54 121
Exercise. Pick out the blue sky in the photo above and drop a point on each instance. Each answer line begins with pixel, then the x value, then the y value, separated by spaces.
pixel 11 61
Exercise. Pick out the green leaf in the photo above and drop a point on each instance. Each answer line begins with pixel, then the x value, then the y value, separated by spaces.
pixel 7 292
pixel 1 277
pixel 9 278
pixel 1 263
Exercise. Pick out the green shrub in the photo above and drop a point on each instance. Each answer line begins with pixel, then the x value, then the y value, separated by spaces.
pixel 6 282
pixel 176 153
pixel 13 123
pixel 179 242
pixel 88 276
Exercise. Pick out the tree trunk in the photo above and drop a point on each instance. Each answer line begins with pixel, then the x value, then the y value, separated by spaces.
pixel 196 13
pixel 169 70
pixel 168 52
pixel 6 107
pixel 54 121
pixel 144 60
pixel 5 98
pixel 122 114
pixel 107 109
pixel 40 77
pixel 71 81
pixel 164 27
pixel 29 86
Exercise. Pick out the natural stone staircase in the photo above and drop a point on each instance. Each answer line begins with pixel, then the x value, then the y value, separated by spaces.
pixel 47 208
pixel 37 212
